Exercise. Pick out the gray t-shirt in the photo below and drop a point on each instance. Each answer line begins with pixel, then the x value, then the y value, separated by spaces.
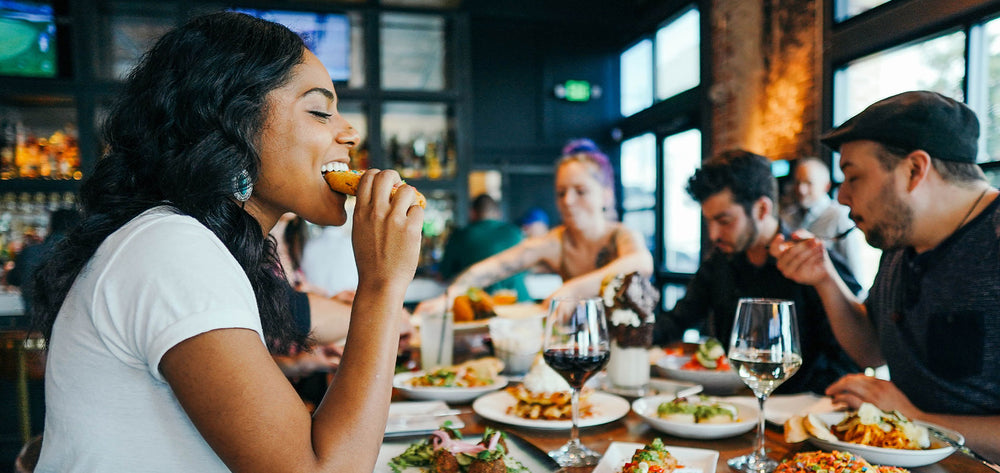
pixel 937 315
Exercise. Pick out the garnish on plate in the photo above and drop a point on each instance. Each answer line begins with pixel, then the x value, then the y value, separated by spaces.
pixel 832 462
pixel 709 356
pixel 446 451
pixel 471 374
pixel 652 458
pixel 698 410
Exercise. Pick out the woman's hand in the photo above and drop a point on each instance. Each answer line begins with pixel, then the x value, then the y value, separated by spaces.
pixel 386 231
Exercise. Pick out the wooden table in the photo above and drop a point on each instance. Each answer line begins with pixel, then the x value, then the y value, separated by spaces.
pixel 633 429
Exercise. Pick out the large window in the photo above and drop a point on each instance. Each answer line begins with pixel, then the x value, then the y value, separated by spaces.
pixel 678 55
pixel 664 66
pixel 637 78
pixel 960 61
pixel 639 185
pixel 681 214
pixel 936 64
pixel 848 8
pixel 661 106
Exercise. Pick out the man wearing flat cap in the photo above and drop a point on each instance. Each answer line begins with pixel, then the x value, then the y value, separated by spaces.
pixel 933 313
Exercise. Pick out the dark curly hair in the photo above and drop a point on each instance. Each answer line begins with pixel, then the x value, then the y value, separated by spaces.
pixel 186 124
pixel 747 175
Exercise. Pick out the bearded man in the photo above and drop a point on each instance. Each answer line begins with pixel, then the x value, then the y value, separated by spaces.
pixel 933 313
pixel 737 193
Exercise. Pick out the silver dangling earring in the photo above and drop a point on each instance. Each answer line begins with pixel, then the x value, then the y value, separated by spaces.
pixel 243 186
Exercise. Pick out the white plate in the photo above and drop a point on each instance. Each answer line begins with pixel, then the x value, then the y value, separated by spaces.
pixel 530 456
pixel 746 419
pixel 655 386
pixel 695 460
pixel 890 456
pixel 605 408
pixel 415 418
pixel 521 310
pixel 781 407
pixel 456 395
pixel 714 382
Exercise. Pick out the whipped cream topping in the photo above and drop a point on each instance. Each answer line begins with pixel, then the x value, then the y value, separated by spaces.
pixel 543 379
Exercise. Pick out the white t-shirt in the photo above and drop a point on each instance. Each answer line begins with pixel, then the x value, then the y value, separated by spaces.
pixel 159 280
pixel 328 261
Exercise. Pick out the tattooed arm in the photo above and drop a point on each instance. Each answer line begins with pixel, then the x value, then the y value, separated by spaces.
pixel 521 257
pixel 626 253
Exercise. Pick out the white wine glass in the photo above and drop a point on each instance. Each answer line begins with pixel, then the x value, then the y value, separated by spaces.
pixel 576 346
pixel 764 350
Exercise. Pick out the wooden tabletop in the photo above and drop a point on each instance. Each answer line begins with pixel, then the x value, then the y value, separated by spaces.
pixel 633 429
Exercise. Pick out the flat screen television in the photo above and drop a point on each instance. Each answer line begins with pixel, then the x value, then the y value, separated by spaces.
pixel 27 39
pixel 327 35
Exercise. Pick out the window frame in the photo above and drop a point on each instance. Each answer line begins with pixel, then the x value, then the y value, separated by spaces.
pixel 684 111
pixel 894 24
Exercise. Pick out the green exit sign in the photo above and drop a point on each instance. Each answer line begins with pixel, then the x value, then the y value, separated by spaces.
pixel 577 91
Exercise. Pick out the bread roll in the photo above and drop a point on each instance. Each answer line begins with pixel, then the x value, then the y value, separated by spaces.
pixel 346 182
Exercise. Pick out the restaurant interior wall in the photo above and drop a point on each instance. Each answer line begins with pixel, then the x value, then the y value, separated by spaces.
pixel 519 51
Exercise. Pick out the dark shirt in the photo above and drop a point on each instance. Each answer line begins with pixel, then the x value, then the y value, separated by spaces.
pixel 478 241
pixel 937 315
pixel 298 303
pixel 710 304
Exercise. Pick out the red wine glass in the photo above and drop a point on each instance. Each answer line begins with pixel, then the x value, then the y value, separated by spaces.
pixel 576 346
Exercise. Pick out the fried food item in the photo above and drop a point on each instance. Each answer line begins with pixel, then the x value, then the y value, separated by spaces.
pixel 555 405
pixel 346 182
pixel 462 310
pixel 475 304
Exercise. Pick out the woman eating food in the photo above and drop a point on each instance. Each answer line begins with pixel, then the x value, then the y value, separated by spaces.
pixel 163 306
pixel 589 246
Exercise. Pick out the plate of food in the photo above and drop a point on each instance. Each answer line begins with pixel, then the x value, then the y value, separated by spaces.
pixel 623 457
pixel 886 438
pixel 543 401
pixel 447 448
pixel 596 408
pixel 697 417
pixel 810 462
pixel 708 366
pixel 456 383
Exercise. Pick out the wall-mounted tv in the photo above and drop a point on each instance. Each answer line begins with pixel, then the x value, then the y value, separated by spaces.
pixel 327 35
pixel 27 39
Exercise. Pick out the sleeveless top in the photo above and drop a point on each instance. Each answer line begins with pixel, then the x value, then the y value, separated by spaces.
pixel 605 256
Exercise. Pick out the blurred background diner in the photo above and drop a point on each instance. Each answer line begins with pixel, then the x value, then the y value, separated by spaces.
pixel 469 97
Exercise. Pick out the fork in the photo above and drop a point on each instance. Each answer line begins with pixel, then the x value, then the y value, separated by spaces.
pixel 842 234
pixel 962 448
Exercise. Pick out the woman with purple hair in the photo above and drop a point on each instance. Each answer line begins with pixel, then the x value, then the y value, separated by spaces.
pixel 589 245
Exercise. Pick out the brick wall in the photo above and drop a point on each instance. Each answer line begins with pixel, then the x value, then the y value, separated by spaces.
pixel 766 76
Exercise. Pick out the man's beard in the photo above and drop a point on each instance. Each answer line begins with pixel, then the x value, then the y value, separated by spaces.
pixel 893 231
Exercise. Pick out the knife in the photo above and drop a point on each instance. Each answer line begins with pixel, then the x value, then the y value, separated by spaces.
pixel 962 448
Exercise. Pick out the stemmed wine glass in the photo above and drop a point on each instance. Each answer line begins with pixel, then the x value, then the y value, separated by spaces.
pixel 576 346
pixel 764 350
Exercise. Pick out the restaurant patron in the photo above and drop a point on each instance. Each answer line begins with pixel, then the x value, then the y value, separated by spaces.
pixel 162 305
pixel 933 312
